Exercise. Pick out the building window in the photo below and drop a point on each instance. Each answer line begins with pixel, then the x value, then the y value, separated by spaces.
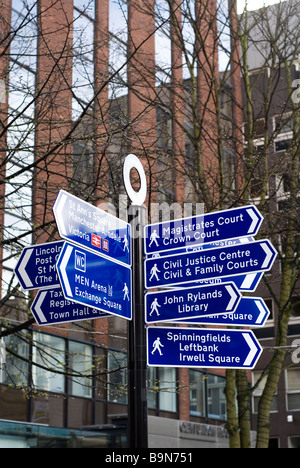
pixel 20 135
pixel 80 361
pixel 197 393
pixel 162 391
pixel 14 370
pixel 117 377
pixel 83 55
pixel 294 442
pixel 293 389
pixel 283 128
pixel 259 384
pixel 216 400
pixel 167 389
pixel 48 369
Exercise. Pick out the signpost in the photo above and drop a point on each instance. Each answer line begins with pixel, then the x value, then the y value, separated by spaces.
pixel 88 226
pixel 36 266
pixel 214 263
pixel 202 229
pixel 99 271
pixel 95 281
pixel 209 348
pixel 196 302
pixel 50 306
pixel 250 312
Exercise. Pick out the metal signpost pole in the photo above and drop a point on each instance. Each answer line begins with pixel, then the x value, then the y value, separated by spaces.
pixel 137 378
pixel 137 370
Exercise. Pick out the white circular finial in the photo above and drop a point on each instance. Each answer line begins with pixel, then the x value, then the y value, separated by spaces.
pixel 136 197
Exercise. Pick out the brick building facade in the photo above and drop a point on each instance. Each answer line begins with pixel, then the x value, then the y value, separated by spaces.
pixel 86 85
pixel 61 129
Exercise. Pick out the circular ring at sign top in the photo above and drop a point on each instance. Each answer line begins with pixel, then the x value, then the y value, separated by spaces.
pixel 132 162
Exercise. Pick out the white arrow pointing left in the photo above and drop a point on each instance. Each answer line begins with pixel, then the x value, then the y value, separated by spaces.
pixel 58 211
pixel 22 269
pixel 253 349
pixel 38 309
pixel 63 266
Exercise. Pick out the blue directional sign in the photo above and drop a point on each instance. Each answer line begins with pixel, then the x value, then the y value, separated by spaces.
pixel 36 266
pixel 250 312
pixel 246 283
pixel 191 302
pixel 96 281
pixel 196 347
pixel 50 307
pixel 213 263
pixel 90 227
pixel 202 229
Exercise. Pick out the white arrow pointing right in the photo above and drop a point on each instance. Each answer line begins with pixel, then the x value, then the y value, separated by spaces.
pixel 255 220
pixel 262 312
pixel 269 254
pixel 233 297
pixel 253 349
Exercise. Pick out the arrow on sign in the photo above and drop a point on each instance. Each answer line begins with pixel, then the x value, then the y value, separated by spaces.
pixel 250 312
pixel 36 266
pixel 95 281
pixel 191 302
pixel 209 348
pixel 51 307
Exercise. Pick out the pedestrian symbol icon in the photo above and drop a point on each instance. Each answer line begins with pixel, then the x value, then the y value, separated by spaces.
pixel 126 244
pixel 126 292
pixel 154 307
pixel 153 272
pixel 153 238
pixel 156 346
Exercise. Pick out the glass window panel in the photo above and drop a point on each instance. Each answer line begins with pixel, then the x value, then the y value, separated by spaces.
pixel 293 389
pixel 118 47
pixel 15 370
pixel 49 354
pixel 216 399
pixel 117 377
pixel 81 361
pixel 162 43
pixel 83 60
pixel 152 388
pixel 258 392
pixel 197 393
pixel 293 379
pixel 167 389
pixel 24 28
